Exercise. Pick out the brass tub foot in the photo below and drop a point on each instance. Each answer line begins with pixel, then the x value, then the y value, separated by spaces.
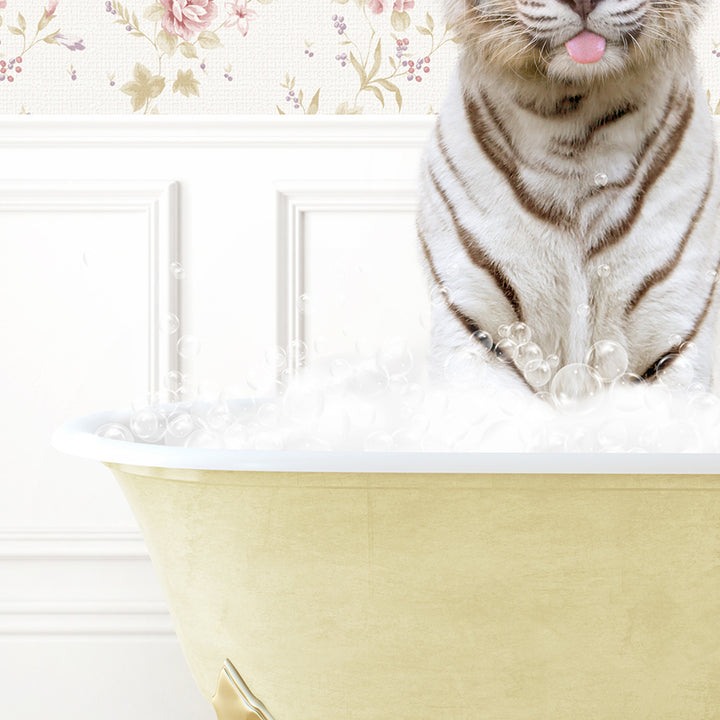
pixel 233 700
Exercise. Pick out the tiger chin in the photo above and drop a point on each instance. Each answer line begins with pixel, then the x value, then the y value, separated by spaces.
pixel 570 194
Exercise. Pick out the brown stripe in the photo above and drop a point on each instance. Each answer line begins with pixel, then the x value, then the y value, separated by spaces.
pixel 564 106
pixel 648 143
pixel 661 273
pixel 567 147
pixel 470 325
pixel 538 18
pixel 661 160
pixel 509 168
pixel 651 373
pixel 478 256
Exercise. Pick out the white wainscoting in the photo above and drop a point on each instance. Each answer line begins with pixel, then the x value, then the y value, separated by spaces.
pixel 261 212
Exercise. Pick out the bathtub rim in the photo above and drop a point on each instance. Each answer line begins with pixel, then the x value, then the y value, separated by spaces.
pixel 77 437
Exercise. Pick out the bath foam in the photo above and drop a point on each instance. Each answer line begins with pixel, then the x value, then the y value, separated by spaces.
pixel 368 410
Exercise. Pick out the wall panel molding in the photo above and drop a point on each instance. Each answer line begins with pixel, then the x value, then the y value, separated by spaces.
pixel 226 131
pixel 116 563
pixel 294 201
pixel 158 201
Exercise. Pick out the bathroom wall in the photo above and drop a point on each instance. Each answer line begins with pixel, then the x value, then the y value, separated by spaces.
pixel 288 229
pixel 257 57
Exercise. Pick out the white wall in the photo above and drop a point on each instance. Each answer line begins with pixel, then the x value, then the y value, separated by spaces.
pixel 260 212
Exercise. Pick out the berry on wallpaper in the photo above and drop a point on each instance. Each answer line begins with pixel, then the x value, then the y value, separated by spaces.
pixel 175 29
pixel 382 48
pixel 11 70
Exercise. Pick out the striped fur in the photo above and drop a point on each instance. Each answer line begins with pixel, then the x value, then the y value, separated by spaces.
pixel 540 171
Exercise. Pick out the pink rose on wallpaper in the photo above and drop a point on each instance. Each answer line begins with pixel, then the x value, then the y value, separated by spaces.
pixel 377 6
pixel 51 8
pixel 239 15
pixel 186 18
pixel 3 4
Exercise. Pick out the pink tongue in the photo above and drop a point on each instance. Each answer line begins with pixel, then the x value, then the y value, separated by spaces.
pixel 587 47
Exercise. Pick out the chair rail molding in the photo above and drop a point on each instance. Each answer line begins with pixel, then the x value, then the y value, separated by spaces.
pixel 225 131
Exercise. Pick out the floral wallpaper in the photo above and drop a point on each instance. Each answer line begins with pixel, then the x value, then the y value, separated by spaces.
pixel 240 56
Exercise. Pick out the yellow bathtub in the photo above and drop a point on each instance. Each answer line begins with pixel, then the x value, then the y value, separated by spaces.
pixel 370 586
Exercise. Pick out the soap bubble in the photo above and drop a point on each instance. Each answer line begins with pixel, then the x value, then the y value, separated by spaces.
pixel 368 383
pixel 537 373
pixel 177 270
pixel 147 424
pixel 675 371
pixel 520 333
pixel 609 359
pixel 170 323
pixel 276 357
pixel 180 425
pixel 299 350
pixel 508 348
pixel 394 357
pixel 303 303
pixel 583 310
pixel 527 353
pixel 439 296
pixel 174 381
pixel 115 431
pixel 628 392
pixel 602 270
pixel 188 346
pixel 218 418
pixel 553 361
pixel 601 179
pixel 483 338
pixel 503 331
pixel 573 385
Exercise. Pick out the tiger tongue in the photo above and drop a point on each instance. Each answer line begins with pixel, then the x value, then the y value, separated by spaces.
pixel 587 47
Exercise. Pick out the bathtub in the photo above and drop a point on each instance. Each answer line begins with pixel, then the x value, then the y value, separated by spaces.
pixel 412 586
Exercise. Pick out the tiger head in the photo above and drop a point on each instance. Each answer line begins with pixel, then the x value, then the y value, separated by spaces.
pixel 573 40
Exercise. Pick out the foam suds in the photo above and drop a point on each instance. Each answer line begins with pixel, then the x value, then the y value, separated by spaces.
pixel 384 404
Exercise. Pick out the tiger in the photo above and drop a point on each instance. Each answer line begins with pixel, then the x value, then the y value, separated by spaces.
pixel 569 189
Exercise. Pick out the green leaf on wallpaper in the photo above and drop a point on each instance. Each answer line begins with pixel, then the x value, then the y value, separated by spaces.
pixel 154 13
pixel 186 83
pixel 166 42
pixel 390 87
pixel 135 21
pixel 144 87
pixel 50 39
pixel 266 2
pixel 209 40
pixel 44 21
pixel 340 2
pixel 279 110
pixel 717 109
pixel 377 61
pixel 359 69
pixel 314 105
pixel 1 21
pixel 392 62
pixel 400 20
pixel 344 109
pixel 300 96
pixel 188 50
pixel 15 30
pixel 21 22
pixel 422 30
pixel 377 92
pixel 429 21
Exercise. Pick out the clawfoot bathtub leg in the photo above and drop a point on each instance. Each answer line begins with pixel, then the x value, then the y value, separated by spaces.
pixel 233 700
